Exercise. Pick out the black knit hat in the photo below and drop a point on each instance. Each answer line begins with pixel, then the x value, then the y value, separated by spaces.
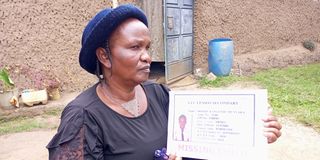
pixel 99 29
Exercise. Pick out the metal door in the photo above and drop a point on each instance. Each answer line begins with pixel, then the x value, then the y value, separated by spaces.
pixel 178 39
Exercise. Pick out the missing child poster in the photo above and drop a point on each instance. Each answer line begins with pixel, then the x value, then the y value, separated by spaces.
pixel 224 125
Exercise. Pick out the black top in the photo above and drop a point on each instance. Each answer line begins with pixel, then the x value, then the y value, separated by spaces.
pixel 91 130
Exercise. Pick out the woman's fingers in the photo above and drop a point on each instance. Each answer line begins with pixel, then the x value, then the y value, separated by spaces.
pixel 174 157
pixel 271 127
pixel 270 118
pixel 272 122
pixel 272 135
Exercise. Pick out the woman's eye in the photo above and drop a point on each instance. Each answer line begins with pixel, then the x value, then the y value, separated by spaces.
pixel 135 47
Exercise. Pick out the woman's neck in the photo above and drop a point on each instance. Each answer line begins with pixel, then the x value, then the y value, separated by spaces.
pixel 116 90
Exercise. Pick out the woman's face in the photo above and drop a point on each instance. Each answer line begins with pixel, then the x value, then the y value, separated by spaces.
pixel 129 45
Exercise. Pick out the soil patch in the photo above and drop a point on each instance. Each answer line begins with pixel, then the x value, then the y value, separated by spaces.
pixel 248 64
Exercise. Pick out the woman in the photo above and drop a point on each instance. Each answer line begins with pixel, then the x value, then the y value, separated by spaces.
pixel 123 116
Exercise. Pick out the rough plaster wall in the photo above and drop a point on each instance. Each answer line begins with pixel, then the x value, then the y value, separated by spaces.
pixel 41 38
pixel 254 24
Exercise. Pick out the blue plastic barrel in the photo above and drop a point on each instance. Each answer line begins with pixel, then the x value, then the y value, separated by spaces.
pixel 220 58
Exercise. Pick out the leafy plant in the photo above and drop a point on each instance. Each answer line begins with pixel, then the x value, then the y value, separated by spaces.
pixel 5 78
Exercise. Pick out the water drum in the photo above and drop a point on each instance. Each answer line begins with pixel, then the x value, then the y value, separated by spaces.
pixel 220 58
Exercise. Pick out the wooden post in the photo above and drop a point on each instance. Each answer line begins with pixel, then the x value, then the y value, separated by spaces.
pixel 114 3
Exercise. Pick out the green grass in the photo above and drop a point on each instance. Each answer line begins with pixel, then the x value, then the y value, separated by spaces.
pixel 220 81
pixel 53 112
pixel 25 124
pixel 293 92
pixel 20 125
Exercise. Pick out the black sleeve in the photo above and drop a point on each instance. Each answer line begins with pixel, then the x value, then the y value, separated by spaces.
pixel 68 141
pixel 72 149
pixel 77 137
pixel 166 95
pixel 93 144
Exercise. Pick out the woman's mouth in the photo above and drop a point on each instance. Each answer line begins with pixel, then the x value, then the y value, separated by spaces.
pixel 145 68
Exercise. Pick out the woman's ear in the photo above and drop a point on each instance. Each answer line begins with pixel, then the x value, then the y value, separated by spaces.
pixel 103 57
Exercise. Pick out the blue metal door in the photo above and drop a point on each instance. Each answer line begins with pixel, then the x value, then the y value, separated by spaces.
pixel 178 39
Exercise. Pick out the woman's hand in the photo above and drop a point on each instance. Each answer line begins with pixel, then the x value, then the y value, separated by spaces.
pixel 174 157
pixel 271 127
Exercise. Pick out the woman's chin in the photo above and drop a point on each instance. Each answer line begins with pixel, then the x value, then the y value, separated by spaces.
pixel 143 78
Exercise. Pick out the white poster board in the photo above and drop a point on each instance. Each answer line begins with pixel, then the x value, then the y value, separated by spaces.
pixel 218 124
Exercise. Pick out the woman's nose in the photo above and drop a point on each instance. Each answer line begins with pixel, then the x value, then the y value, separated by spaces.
pixel 145 57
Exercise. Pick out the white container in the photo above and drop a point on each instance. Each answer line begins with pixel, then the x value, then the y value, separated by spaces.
pixel 31 97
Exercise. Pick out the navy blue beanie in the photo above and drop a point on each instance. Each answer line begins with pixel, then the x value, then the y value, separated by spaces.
pixel 99 29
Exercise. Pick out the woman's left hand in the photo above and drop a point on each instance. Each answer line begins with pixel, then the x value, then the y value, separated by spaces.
pixel 174 157
pixel 271 127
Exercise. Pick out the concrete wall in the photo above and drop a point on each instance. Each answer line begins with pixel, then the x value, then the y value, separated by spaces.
pixel 254 25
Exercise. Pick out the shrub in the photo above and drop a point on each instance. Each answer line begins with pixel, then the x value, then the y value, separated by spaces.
pixel 308 44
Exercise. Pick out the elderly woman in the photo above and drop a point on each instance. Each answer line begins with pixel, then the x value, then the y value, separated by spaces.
pixel 123 116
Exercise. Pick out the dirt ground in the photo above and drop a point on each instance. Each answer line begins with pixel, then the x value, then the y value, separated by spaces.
pixel 295 55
